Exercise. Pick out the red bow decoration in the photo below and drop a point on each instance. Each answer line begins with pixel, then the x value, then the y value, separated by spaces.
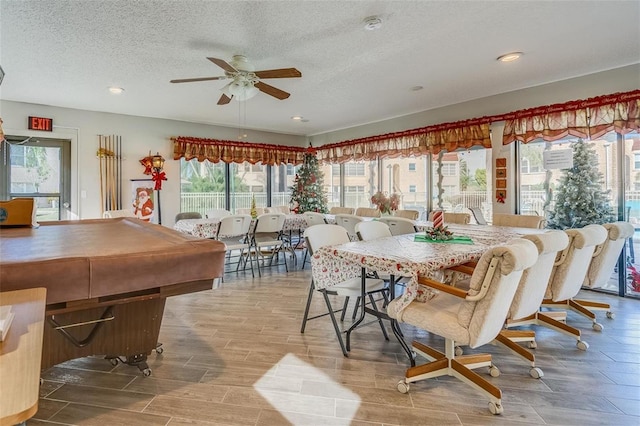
pixel 158 178
pixel 500 198
pixel 146 162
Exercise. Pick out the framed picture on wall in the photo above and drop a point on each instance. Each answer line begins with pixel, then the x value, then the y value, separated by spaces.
pixel 501 194
pixel 501 173
pixel 143 200
pixel 501 162
pixel 501 183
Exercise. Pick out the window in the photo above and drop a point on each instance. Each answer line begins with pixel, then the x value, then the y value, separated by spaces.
pixel 448 169
pixel 636 161
pixel 352 189
pixel 412 188
pixel 412 167
pixel 354 169
pixel 524 165
pixel 18 155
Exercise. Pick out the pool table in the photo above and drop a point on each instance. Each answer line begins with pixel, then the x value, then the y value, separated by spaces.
pixel 107 281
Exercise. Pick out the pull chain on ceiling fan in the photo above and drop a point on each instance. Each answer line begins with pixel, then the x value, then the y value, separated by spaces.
pixel 246 82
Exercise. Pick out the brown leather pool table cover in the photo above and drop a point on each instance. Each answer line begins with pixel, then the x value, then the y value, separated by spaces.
pixel 87 259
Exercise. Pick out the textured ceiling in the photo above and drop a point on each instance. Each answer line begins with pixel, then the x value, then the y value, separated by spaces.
pixel 66 53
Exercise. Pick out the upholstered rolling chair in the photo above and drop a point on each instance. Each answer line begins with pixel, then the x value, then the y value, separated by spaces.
pixel 233 231
pixel 473 318
pixel 312 218
pixel 217 213
pixel 399 225
pixel 458 218
pixel 367 212
pixel 318 236
pixel 111 214
pixel 266 239
pixel 188 215
pixel 519 220
pixel 341 210
pixel 602 265
pixel 348 222
pixel 568 275
pixel 407 214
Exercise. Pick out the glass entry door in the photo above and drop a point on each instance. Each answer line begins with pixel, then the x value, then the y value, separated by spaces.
pixel 38 168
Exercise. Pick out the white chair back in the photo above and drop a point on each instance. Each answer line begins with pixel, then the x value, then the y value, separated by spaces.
pixel 233 226
pixel 188 215
pixel 111 214
pixel 348 222
pixel 606 255
pixel 371 230
pixel 314 218
pixel 535 279
pixel 269 222
pixel 399 225
pixel 217 213
pixel 322 235
pixel 573 262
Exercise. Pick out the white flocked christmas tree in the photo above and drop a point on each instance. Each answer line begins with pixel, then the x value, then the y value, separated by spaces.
pixel 581 198
pixel 307 192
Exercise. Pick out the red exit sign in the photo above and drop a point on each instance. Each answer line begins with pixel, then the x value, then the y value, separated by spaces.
pixel 41 123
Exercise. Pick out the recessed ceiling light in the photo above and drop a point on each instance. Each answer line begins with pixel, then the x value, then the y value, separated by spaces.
pixel 372 23
pixel 416 88
pixel 297 117
pixel 116 90
pixel 509 57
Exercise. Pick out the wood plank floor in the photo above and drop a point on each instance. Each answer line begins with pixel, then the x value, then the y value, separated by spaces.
pixel 234 355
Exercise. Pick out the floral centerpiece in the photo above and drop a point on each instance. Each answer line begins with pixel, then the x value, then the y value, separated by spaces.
pixel 386 204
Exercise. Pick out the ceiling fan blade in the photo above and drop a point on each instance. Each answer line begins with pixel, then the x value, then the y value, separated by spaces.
pixel 224 99
pixel 223 64
pixel 273 91
pixel 279 73
pixel 189 80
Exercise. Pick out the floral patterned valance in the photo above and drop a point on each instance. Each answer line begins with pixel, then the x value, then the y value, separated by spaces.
pixel 590 118
pixel 216 150
pixel 448 136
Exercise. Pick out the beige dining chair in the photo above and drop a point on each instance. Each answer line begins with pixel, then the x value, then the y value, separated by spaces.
pixel 348 222
pixel 217 213
pixel 603 263
pixel 471 318
pixel 519 220
pixel 407 214
pixel 267 241
pixel 367 212
pixel 341 210
pixel 399 225
pixel 233 231
pixel 458 218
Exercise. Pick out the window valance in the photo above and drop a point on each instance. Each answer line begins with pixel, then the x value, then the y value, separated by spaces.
pixel 589 118
pixel 216 150
pixel 447 136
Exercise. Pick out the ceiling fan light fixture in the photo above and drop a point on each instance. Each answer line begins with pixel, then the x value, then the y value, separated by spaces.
pixel 510 57
pixel 242 90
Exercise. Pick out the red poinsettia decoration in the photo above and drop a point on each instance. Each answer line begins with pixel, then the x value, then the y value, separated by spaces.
pixel 634 276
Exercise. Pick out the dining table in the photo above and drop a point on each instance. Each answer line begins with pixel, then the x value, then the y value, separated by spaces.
pixel 409 256
pixel 208 228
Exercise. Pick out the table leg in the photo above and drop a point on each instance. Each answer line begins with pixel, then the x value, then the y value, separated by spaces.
pixel 395 327
pixel 363 302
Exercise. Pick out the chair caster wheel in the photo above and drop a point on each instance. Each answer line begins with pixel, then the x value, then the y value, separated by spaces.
pixel 458 351
pixel 582 345
pixel 113 361
pixel 159 350
pixel 532 344
pixel 41 381
pixel 536 373
pixel 597 326
pixel 402 386
pixel 495 409
pixel 494 371
pixel 610 315
pixel 146 372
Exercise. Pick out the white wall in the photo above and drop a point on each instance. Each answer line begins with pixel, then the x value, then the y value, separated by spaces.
pixel 139 136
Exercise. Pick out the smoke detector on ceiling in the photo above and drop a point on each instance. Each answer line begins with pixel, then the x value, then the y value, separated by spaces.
pixel 372 23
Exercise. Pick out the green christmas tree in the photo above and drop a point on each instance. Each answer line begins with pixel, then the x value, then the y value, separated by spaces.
pixel 307 192
pixel 580 199
pixel 254 210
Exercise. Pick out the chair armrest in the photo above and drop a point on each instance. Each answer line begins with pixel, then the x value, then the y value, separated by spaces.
pixel 442 287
